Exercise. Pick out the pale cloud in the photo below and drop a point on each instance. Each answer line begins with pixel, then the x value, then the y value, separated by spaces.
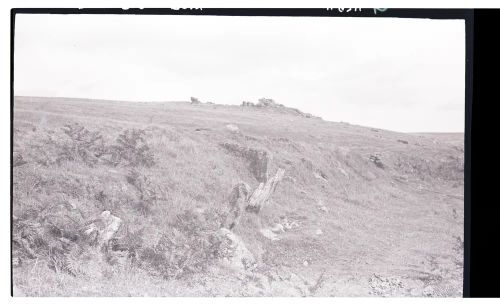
pixel 393 73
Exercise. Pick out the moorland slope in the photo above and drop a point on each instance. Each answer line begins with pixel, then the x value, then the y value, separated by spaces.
pixel 359 211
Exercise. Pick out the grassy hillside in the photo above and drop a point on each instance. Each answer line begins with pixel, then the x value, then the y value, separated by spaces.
pixel 374 212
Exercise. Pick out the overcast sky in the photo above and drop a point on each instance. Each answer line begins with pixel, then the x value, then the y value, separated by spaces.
pixel 399 74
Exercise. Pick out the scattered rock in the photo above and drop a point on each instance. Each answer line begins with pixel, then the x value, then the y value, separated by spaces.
pixel 237 204
pixel 403 141
pixel 277 228
pixel 267 233
pixel 415 292
pixel 428 291
pixel 240 257
pixel 272 232
pixel 268 103
pixel 386 286
pixel 232 128
pixel 257 159
pixel 243 199
pixel 343 172
pixel 289 225
pixel 322 207
pixel 376 160
pixel 261 195
pixel 102 229
pixel 195 100
pixel 319 232
pixel 305 263
pixel 16 262
pixel 18 160
pixel 320 175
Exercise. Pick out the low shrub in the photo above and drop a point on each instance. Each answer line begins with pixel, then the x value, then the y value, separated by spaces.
pixel 131 149
pixel 189 247
pixel 52 233
pixel 147 191
pixel 73 142
pixel 85 145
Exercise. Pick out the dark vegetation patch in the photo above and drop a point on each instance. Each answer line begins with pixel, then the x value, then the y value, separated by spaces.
pixel 75 143
pixel 257 160
pixel 447 168
pixel 377 161
pixel 55 209
pixel 191 246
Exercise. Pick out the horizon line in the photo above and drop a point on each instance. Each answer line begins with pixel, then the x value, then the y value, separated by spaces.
pixel 187 101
